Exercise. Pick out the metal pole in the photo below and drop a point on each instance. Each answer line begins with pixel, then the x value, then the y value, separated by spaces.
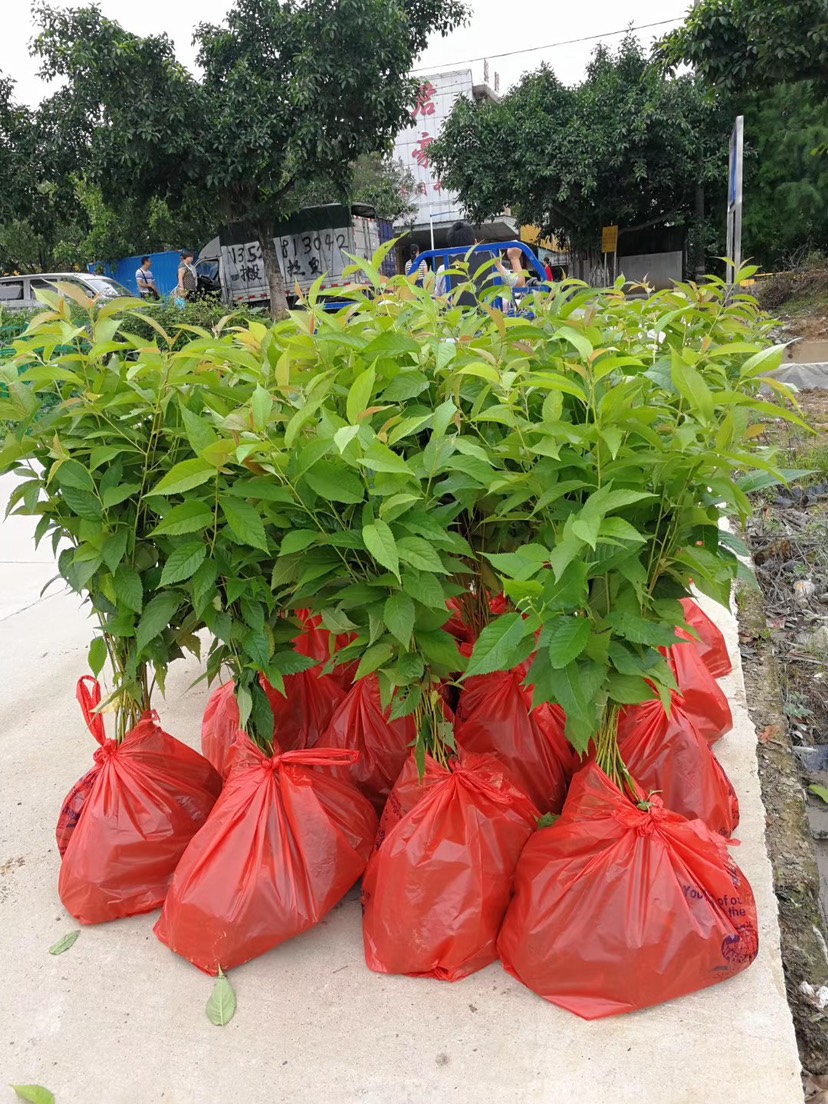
pixel 700 260
pixel 737 214
pixel 431 221
pixel 734 199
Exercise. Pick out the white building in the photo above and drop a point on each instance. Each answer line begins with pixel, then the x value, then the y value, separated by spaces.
pixel 438 208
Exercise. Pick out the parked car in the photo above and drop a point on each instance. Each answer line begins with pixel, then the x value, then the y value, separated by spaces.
pixel 18 292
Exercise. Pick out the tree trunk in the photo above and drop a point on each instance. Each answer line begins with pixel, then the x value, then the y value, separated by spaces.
pixel 273 273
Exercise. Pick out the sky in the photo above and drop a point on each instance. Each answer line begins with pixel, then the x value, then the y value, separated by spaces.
pixel 494 28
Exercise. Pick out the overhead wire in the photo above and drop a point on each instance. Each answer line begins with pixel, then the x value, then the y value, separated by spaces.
pixel 549 45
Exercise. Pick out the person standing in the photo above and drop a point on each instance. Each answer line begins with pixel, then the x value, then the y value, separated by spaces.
pixel 414 271
pixel 187 276
pixel 547 267
pixel 147 288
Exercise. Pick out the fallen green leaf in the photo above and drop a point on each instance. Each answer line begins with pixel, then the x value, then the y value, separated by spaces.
pixel 35 1094
pixel 221 1007
pixel 65 942
pixel 820 791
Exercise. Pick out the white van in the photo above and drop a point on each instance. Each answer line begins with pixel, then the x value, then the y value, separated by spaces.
pixel 17 292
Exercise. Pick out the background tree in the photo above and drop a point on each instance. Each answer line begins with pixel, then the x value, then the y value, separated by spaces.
pixel 290 92
pixel 749 44
pixel 626 146
pixel 382 181
pixel 786 186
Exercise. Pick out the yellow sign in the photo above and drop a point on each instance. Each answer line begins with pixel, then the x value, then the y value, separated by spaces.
pixel 532 236
pixel 609 239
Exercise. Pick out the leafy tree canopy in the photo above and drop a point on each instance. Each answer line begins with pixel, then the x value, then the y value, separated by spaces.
pixel 626 146
pixel 290 91
pixel 384 182
pixel 749 44
pixel 785 184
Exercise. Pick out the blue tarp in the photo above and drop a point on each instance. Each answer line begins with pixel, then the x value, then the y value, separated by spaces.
pixel 164 268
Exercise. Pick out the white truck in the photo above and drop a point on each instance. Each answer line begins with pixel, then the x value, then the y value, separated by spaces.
pixel 310 244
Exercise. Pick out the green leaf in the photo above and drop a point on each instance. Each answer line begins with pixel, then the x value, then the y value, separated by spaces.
pixel 335 482
pixel 244 700
pixel 498 645
pixel 629 689
pixel 81 503
pixel 424 588
pixel 374 658
pixel 183 477
pixel 378 457
pixel 256 644
pixel 344 436
pixel 183 562
pixel 261 404
pixel 199 432
pixel 189 517
pixel 72 474
pixel 97 655
pixel 221 1007
pixel 359 395
pixel 245 522
pixel 34 1094
pixel 566 639
pixel 641 631
pixel 578 690
pixel 203 585
pixel 64 943
pixel 691 386
pixel 114 548
pixel 379 540
pixel 418 553
pixel 128 588
pixel 577 340
pixel 114 496
pixel 391 344
pixel 298 540
pixel 617 528
pixel 440 649
pixel 521 564
pixel 291 663
pixel 399 615
pixel 820 791
pixel 155 618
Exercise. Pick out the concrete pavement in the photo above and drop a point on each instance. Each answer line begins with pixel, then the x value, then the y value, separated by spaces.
pixel 118 1019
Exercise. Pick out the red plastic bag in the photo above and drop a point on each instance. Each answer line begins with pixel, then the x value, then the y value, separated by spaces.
pixel 703 700
pixel 669 755
pixel 437 887
pixel 148 797
pixel 285 842
pixel 383 745
pixel 300 715
pixel 495 716
pixel 72 808
pixel 617 908
pixel 710 644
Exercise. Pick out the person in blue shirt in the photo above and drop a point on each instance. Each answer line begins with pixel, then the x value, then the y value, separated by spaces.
pixel 146 281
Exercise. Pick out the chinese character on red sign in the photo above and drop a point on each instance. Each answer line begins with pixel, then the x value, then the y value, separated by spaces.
pixel 424 100
pixel 420 153
pixel 438 186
